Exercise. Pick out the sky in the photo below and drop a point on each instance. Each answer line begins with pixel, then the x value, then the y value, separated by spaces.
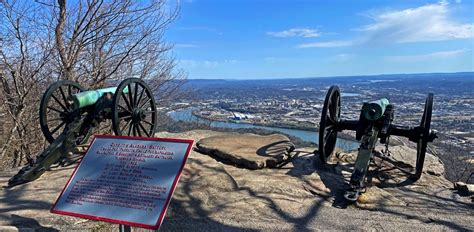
pixel 264 39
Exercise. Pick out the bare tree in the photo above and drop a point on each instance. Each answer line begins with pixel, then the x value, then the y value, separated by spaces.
pixel 93 42
pixel 100 42
pixel 25 52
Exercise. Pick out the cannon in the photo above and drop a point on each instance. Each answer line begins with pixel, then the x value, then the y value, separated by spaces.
pixel 69 114
pixel 375 122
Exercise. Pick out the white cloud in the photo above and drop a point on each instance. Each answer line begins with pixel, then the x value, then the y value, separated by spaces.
pixel 208 64
pixel 429 56
pixel 343 57
pixel 188 63
pixel 198 64
pixel 425 23
pixel 296 32
pixel 230 61
pixel 327 44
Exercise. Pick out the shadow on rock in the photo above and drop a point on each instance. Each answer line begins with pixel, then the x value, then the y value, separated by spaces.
pixel 276 148
pixel 12 198
pixel 333 181
pixel 28 224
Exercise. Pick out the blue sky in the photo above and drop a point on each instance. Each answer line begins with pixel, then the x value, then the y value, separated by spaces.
pixel 262 39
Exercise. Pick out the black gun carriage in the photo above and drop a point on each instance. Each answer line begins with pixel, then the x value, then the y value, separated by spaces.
pixel 375 122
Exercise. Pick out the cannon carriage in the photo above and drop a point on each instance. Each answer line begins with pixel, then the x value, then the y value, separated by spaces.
pixel 375 122
pixel 131 107
pixel 69 114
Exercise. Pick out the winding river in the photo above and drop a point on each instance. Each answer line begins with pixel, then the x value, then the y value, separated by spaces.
pixel 308 136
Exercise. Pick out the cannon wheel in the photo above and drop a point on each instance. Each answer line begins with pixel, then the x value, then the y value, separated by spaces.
pixel 55 113
pixel 424 137
pixel 134 111
pixel 329 119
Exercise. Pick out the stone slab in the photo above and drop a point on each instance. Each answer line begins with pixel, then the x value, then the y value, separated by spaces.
pixel 248 150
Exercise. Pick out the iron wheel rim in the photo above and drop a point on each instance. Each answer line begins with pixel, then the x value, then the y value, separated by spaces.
pixel 422 143
pixel 327 127
pixel 134 111
pixel 54 107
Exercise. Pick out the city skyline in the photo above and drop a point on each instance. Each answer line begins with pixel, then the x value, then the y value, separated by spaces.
pixel 282 39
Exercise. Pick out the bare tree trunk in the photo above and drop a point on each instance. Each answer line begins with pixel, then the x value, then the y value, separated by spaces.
pixel 59 33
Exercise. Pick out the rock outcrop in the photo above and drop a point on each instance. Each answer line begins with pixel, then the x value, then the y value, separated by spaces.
pixel 248 150
pixel 302 195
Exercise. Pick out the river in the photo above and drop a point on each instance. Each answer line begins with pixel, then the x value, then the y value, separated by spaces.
pixel 308 136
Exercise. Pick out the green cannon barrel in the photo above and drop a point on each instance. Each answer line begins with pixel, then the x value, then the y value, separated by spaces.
pixel 90 97
pixel 375 109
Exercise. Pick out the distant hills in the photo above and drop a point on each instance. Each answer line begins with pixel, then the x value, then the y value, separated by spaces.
pixel 441 83
pixel 401 75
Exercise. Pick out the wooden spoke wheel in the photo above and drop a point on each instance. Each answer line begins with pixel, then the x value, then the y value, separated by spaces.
pixel 424 138
pixel 327 126
pixel 134 109
pixel 55 111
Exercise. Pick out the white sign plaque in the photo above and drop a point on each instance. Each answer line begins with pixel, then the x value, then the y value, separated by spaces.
pixel 125 180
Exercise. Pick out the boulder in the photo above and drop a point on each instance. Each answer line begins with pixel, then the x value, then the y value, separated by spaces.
pixel 248 150
pixel 464 189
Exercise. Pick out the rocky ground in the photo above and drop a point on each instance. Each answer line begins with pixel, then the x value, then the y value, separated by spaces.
pixel 300 195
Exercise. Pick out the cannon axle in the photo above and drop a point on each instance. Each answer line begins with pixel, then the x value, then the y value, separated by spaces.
pixel 410 132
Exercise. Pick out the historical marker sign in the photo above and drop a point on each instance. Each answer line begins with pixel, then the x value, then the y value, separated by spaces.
pixel 125 180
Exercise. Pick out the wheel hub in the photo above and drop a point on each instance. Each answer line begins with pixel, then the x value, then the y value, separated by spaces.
pixel 138 115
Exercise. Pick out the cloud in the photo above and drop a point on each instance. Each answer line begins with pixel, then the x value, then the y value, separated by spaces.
pixel 208 64
pixel 230 61
pixel 430 56
pixel 327 44
pixel 343 57
pixel 425 23
pixel 198 63
pixel 296 32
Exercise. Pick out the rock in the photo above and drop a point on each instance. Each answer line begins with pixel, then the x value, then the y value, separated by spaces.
pixel 375 197
pixel 26 207
pixel 345 157
pixel 464 189
pixel 407 156
pixel 299 196
pixel 9 229
pixel 248 150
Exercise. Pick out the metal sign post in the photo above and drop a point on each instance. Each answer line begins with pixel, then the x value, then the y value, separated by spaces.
pixel 125 228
